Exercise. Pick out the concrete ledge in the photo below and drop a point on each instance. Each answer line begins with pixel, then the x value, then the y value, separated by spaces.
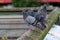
pixel 23 8
pixel 28 33
pixel 40 36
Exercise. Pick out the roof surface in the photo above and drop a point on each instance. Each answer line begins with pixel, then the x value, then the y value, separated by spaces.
pixel 50 0
pixel 5 1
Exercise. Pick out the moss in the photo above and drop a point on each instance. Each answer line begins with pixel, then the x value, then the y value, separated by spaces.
pixel 52 21
pixel 38 34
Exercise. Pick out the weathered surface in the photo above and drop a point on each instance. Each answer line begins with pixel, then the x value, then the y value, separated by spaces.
pixel 52 19
pixel 12 22
pixel 36 33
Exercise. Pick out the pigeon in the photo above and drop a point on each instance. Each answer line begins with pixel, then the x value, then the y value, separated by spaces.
pixel 29 17
pixel 41 15
pixel 33 19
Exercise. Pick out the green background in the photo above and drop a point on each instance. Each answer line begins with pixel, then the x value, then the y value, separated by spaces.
pixel 26 3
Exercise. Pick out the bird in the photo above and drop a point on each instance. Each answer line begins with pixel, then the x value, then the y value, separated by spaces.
pixel 29 16
pixel 42 11
pixel 41 15
pixel 33 19
pixel 28 13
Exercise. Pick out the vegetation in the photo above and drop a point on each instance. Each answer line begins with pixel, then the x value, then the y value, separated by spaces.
pixel 26 3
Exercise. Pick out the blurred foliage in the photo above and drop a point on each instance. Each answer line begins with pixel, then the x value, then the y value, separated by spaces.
pixel 26 3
